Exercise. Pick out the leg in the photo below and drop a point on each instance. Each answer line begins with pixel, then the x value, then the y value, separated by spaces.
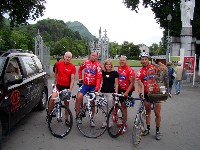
pixel 157 110
pixel 51 102
pixel 124 108
pixel 148 112
pixel 176 86
pixel 79 100
pixel 66 112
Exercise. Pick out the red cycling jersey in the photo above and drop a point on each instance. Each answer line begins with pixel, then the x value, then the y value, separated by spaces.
pixel 64 72
pixel 145 74
pixel 92 73
pixel 124 74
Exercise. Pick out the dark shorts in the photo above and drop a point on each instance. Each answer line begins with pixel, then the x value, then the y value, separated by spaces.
pixel 59 88
pixel 146 97
pixel 86 88
pixel 120 91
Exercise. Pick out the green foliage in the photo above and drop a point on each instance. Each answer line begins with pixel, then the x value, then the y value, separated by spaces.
pixel 20 11
pixel 81 29
pixel 130 50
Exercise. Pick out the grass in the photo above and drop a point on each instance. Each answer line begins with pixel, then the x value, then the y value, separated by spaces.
pixel 77 62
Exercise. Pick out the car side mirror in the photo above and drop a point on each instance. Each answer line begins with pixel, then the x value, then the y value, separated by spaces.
pixel 14 79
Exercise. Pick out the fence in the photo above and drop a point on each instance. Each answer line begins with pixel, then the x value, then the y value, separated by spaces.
pixel 43 53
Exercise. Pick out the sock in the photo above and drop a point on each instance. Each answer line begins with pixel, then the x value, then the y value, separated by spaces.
pixel 157 129
pixel 148 127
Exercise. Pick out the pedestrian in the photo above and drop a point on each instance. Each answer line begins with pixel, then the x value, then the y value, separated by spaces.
pixel 178 78
pixel 171 72
pixel 143 75
pixel 54 66
pixel 91 82
pixel 64 78
pixel 126 85
pixel 109 84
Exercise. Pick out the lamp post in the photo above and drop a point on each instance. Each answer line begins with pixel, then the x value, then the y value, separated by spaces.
pixel 169 18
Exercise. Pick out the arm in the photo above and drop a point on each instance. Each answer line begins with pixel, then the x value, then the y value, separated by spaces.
pixel 72 81
pixel 131 86
pixel 55 73
pixel 116 85
pixel 82 66
pixel 98 78
pixel 139 86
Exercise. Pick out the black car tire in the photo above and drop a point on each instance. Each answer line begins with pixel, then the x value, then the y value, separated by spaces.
pixel 43 101
pixel 0 134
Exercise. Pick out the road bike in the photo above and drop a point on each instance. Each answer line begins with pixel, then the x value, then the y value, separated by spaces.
pixel 115 121
pixel 58 124
pixel 92 115
pixel 138 126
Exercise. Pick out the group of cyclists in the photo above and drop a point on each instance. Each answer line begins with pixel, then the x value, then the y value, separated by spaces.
pixel 98 78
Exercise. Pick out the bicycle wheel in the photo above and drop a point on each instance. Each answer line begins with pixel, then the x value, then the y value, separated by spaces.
pixel 58 124
pixel 138 128
pixel 92 130
pixel 115 121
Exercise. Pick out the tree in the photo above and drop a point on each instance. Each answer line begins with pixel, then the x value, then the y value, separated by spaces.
pixel 20 11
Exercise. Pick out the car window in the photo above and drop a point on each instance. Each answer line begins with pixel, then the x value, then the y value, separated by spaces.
pixel 2 60
pixel 29 65
pixel 38 64
pixel 12 68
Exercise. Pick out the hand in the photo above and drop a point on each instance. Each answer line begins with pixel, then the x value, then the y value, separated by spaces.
pixel 140 96
pixel 96 93
pixel 80 80
pixel 125 94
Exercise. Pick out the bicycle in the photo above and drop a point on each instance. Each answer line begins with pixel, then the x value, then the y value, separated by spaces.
pixel 57 124
pixel 89 124
pixel 138 126
pixel 115 119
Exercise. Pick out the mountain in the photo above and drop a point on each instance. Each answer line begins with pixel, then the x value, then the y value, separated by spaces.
pixel 83 31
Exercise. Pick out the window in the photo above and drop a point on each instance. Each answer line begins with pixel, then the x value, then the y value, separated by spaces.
pixel 12 68
pixel 38 64
pixel 29 65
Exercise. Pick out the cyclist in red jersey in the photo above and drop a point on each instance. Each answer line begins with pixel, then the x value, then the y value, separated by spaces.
pixel 142 77
pixel 64 77
pixel 126 84
pixel 91 81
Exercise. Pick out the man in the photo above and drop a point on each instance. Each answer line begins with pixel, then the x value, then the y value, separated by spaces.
pixel 64 77
pixel 178 78
pixel 91 81
pixel 126 84
pixel 54 66
pixel 142 77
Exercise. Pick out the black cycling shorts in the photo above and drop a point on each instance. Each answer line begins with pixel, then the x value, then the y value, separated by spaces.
pixel 61 87
pixel 146 97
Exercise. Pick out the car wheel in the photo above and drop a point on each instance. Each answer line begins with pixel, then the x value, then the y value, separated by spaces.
pixel 43 101
pixel 0 134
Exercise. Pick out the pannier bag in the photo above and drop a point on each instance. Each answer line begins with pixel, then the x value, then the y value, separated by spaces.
pixel 158 81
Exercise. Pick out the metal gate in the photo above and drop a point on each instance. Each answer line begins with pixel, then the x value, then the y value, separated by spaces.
pixel 43 53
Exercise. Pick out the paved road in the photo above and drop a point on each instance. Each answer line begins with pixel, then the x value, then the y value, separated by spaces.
pixel 180 129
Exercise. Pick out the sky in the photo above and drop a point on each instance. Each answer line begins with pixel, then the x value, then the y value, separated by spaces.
pixel 121 23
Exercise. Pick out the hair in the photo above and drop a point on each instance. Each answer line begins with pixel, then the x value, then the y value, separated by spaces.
pixel 68 53
pixel 108 61
pixel 58 59
pixel 179 63
pixel 169 63
pixel 123 56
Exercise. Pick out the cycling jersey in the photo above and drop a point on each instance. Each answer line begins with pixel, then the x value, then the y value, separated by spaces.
pixel 64 72
pixel 124 74
pixel 146 75
pixel 92 73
